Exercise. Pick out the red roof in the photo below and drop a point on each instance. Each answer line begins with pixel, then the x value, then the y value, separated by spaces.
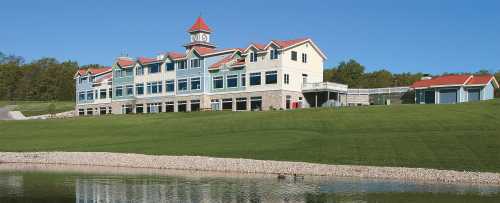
pixel 239 62
pixel 105 77
pixel 480 80
pixel 221 62
pixel 125 62
pixel 144 60
pixel 175 55
pixel 93 71
pixel 204 50
pixel 200 25
pixel 453 80
pixel 287 43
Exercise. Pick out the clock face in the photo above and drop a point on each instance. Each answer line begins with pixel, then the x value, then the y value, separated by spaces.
pixel 204 37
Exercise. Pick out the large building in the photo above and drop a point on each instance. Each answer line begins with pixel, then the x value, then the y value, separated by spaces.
pixel 280 74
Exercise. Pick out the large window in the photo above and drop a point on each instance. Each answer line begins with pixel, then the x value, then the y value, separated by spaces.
pixel 294 56
pixel 170 85
pixel 169 106
pixel 227 104
pixel 153 107
pixel 182 85
pixel 286 78
pixel 90 95
pixel 118 73
pixel 253 57
pixel 195 105
pixel 195 63
pixel 181 106
pixel 81 96
pixel 255 78
pixel 195 84
pixel 256 103
pixel 215 105
pixel 119 91
pixel 129 72
pixel 154 68
pixel 139 70
pixel 271 77
pixel 232 81
pixel 218 82
pixel 169 66
pixel 243 80
pixel 274 54
pixel 130 89
pixel 139 88
pixel 154 87
pixel 304 58
pixel 181 64
pixel 102 93
pixel 241 104
pixel 139 108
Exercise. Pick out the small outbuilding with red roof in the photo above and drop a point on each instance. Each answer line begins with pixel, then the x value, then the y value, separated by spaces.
pixel 452 89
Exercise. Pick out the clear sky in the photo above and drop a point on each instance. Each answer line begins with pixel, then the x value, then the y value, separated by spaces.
pixel 430 36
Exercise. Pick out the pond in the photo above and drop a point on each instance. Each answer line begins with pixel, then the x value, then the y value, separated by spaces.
pixel 25 183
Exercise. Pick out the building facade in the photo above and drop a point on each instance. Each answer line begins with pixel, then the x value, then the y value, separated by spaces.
pixel 257 77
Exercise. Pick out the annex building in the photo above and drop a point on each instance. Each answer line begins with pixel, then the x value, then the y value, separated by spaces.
pixel 279 74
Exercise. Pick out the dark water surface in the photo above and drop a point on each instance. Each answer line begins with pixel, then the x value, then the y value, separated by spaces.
pixel 150 186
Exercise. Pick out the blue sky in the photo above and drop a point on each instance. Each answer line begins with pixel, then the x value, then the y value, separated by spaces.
pixel 430 36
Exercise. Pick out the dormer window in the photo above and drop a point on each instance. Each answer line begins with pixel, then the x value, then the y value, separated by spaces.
pixel 274 54
pixel 195 63
pixel 253 57
pixel 181 64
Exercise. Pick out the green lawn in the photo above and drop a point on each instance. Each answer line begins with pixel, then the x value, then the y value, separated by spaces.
pixel 33 108
pixel 461 137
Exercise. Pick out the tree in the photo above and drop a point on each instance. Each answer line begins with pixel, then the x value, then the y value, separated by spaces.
pixel 377 79
pixel 349 73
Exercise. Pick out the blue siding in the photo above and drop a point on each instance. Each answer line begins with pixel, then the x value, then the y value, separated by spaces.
pixel 488 92
pixel 121 81
pixel 225 74
pixel 85 86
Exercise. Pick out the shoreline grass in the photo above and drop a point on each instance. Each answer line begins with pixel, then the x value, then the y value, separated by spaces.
pixel 454 137
pixel 35 108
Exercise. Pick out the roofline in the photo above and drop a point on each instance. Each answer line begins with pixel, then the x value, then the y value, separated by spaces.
pixel 313 44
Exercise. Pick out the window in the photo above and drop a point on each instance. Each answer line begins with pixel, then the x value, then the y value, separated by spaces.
pixel 243 80
pixel 169 66
pixel 110 93
pixel 126 109
pixel 294 56
pixel 181 106
pixel 304 58
pixel 271 77
pixel 154 87
pixel 215 105
pixel 195 83
pixel 139 88
pixel 96 95
pixel 288 101
pixel 232 81
pixel 195 105
pixel 181 64
pixel 102 93
pixel 119 91
pixel 130 89
pixel 256 103
pixel 227 104
pixel 139 70
pixel 90 111
pixel 129 72
pixel 154 68
pixel 118 73
pixel 253 57
pixel 182 85
pixel 139 108
pixel 153 107
pixel 170 85
pixel 274 54
pixel 218 82
pixel 286 78
pixel 90 95
pixel 255 78
pixel 81 96
pixel 195 63
pixel 81 112
pixel 241 104
pixel 169 106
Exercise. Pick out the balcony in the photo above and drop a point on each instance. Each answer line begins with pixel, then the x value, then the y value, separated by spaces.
pixel 324 86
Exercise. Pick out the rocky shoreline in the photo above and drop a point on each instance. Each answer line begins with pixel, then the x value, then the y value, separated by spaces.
pixel 198 163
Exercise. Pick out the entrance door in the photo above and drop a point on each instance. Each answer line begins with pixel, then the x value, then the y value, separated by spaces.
pixel 429 97
pixel 448 96
pixel 474 94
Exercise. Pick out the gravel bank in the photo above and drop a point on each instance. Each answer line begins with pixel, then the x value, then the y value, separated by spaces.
pixel 198 163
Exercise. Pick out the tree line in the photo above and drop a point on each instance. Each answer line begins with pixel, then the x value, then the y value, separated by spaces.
pixel 45 79
pixel 48 79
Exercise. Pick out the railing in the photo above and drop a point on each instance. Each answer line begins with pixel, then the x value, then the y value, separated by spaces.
pixel 324 86
pixel 386 90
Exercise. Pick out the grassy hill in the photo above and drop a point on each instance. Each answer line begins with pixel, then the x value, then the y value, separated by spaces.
pixel 33 108
pixel 460 137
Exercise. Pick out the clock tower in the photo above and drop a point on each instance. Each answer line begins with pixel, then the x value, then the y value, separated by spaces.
pixel 199 34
